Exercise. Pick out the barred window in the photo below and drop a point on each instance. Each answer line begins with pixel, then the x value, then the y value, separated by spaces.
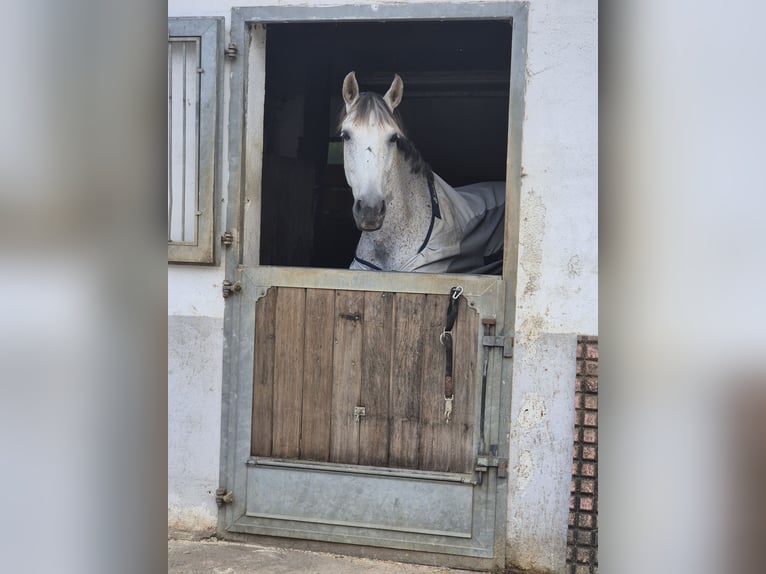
pixel 194 50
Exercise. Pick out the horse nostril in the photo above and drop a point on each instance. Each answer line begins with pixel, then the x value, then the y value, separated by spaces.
pixel 383 208
pixel 357 206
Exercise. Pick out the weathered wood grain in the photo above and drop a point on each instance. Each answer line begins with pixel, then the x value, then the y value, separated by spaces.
pixel 376 378
pixel 317 377
pixel 405 380
pixel 347 376
pixel 288 371
pixel 434 432
pixel 467 383
pixel 319 353
pixel 263 374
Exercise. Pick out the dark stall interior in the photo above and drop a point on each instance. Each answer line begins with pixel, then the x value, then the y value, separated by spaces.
pixel 455 109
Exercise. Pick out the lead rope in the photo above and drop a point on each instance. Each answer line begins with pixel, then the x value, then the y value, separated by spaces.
pixel 446 340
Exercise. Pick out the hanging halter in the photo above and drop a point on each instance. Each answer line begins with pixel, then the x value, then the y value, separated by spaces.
pixel 446 340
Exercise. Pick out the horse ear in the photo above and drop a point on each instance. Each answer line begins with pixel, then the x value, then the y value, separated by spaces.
pixel 350 89
pixel 394 94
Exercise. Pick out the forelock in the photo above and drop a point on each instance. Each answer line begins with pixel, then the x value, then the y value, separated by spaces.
pixel 370 107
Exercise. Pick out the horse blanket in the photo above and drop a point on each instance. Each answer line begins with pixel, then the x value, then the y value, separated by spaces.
pixel 466 231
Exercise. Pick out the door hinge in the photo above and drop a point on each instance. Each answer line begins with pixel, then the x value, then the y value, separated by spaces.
pixel 227 238
pixel 231 51
pixel 228 288
pixel 499 341
pixel 485 461
pixel 223 496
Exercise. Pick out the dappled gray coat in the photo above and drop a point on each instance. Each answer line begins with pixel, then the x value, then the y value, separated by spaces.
pixel 466 231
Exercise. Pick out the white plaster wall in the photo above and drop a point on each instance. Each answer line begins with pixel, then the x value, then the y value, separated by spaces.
pixel 195 347
pixel 195 291
pixel 557 288
pixel 558 254
pixel 540 455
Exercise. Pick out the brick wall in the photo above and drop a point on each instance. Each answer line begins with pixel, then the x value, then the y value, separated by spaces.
pixel 582 537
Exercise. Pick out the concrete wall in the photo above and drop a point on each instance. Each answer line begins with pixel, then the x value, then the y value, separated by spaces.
pixel 557 290
pixel 556 298
pixel 195 346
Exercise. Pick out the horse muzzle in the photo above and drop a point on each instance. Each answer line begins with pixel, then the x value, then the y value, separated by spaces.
pixel 369 217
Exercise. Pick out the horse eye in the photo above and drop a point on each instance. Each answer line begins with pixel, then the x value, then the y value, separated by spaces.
pixel 345 136
pixel 394 138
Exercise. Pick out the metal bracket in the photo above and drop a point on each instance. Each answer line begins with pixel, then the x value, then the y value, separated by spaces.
pixel 227 238
pixel 359 412
pixel 228 288
pixel 231 51
pixel 485 461
pixel 499 341
pixel 223 496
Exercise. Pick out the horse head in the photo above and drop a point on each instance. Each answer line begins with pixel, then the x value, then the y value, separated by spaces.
pixel 370 131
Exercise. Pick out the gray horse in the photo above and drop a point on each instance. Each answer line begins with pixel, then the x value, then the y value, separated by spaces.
pixel 410 218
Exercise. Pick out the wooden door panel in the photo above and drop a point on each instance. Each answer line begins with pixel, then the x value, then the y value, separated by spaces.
pixel 319 353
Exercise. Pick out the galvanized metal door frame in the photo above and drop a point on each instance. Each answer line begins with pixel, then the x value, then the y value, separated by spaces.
pixel 477 547
pixel 247 77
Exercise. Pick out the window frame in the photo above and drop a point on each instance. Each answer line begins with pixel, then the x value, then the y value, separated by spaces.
pixel 209 33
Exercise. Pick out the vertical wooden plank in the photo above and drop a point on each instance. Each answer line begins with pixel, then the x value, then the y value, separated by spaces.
pixel 347 376
pixel 448 447
pixel 434 431
pixel 288 371
pixel 317 379
pixel 405 380
pixel 376 378
pixel 467 388
pixel 263 374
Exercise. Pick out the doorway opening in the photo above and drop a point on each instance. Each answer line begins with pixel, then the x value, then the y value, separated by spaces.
pixel 455 109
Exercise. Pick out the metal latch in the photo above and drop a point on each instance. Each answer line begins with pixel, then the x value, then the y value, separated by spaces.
pixel 499 341
pixel 359 412
pixel 223 496
pixel 227 238
pixel 486 461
